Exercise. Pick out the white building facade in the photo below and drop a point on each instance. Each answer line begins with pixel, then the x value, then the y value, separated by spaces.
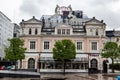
pixel 6 32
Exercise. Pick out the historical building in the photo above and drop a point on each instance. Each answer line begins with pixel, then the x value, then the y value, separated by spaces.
pixel 88 34
pixel 16 31
pixel 114 36
pixel 6 31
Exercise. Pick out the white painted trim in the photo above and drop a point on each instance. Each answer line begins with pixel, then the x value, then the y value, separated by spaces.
pixel 82 45
pixel 94 51
pixel 32 50
pixel 61 70
pixel 46 50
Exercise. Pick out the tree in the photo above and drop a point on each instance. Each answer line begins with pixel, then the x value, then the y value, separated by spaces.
pixel 111 50
pixel 64 50
pixel 15 51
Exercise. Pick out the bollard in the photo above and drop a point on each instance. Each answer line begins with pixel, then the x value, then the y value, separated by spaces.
pixel 118 77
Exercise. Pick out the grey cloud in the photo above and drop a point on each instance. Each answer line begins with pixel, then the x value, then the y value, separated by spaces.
pixel 38 7
pixel 29 7
pixel 98 8
pixel 110 17
pixel 100 2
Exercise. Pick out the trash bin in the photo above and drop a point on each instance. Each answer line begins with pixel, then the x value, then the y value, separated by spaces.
pixel 118 77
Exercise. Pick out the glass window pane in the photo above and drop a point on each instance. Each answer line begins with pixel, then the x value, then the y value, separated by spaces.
pixel 63 31
pixel 36 31
pixel 30 31
pixel 46 45
pixel 68 31
pixel 79 45
pixel 31 63
pixel 94 46
pixel 59 31
pixel 32 44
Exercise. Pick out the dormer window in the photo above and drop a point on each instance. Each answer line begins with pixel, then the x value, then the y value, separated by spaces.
pixel 59 31
pixel 30 31
pixel 68 31
pixel 63 31
pixel 36 31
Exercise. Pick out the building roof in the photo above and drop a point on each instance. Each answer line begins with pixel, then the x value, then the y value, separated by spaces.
pixel 5 16
pixel 49 22
pixel 32 20
pixel 112 33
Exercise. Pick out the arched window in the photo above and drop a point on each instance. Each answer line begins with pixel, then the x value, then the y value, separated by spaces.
pixel 31 63
pixel 36 31
pixel 94 63
pixel 30 31
pixel 74 22
pixel 96 31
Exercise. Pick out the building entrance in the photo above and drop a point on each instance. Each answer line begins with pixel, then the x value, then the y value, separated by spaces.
pixel 93 66
pixel 105 68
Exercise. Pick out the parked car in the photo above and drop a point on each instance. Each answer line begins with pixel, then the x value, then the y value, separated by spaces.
pixel 10 67
pixel 2 67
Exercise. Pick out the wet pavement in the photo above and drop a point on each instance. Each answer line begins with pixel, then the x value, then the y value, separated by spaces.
pixel 82 76
pixel 78 76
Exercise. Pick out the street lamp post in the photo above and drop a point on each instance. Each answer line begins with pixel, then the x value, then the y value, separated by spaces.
pixel 100 60
pixel 39 65
pixel 88 63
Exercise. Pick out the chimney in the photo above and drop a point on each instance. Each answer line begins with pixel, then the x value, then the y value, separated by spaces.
pixel 101 21
pixel 113 30
pixel 22 20
pixel 33 17
pixel 93 17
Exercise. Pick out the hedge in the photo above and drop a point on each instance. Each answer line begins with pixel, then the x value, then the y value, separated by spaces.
pixel 116 66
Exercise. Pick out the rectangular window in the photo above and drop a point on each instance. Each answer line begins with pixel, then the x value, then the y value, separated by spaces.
pixel 79 45
pixel 63 31
pixel 46 45
pixel 68 31
pixel 59 31
pixel 94 46
pixel 15 35
pixel 32 44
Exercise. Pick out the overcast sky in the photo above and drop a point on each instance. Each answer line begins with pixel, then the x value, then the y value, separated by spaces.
pixel 107 10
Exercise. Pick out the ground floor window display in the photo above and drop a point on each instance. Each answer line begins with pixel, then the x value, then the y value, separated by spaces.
pixel 59 65
pixel 47 63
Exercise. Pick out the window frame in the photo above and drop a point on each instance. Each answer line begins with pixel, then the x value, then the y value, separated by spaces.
pixel 46 46
pixel 58 31
pixel 94 47
pixel 30 31
pixel 36 31
pixel 80 46
pixel 63 31
pixel 67 31
pixel 32 46
pixel 31 63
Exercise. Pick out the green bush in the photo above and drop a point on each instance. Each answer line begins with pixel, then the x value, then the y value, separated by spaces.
pixel 116 66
